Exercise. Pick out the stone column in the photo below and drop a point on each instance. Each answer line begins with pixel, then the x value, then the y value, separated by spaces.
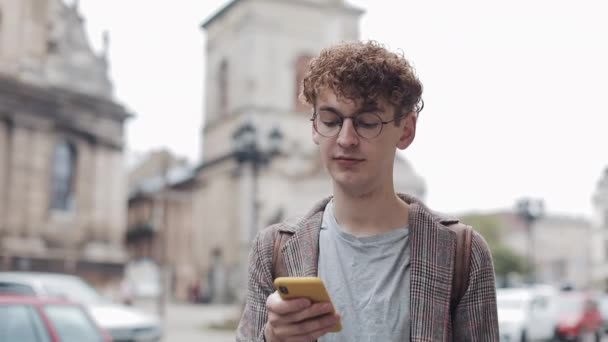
pixel 117 198
pixel 17 180
pixel 101 170
pixel 4 169
pixel 84 191
pixel 38 176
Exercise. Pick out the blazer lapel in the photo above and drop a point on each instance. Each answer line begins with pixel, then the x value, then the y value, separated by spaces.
pixel 432 257
pixel 301 251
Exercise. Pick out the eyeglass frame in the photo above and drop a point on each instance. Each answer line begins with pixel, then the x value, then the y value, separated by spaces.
pixel 418 109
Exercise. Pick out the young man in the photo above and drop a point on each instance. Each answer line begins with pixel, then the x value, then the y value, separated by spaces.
pixel 385 258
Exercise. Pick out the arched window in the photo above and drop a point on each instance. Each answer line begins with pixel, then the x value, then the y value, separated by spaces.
pixel 223 87
pixel 300 70
pixel 63 176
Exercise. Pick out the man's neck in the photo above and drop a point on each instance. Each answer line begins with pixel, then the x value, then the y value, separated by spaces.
pixel 371 213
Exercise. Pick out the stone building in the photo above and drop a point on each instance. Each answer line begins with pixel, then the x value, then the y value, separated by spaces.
pixel 62 184
pixel 160 227
pixel 599 237
pixel 561 254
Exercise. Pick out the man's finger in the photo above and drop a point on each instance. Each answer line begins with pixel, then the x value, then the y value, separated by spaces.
pixel 276 304
pixel 307 328
pixel 315 310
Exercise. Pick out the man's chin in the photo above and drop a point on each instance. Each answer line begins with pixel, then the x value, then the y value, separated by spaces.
pixel 350 182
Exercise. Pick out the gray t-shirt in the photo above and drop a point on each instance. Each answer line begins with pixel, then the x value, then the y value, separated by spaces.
pixel 368 280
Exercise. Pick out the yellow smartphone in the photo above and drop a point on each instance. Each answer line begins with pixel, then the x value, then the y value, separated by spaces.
pixel 304 287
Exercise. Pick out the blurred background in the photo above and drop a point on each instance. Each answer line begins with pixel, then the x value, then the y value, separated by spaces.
pixel 143 144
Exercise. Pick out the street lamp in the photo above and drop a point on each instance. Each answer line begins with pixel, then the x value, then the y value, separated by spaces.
pixel 251 158
pixel 530 210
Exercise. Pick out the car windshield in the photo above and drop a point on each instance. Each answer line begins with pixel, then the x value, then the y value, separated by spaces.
pixel 72 324
pixel 73 289
pixel 570 304
pixel 21 323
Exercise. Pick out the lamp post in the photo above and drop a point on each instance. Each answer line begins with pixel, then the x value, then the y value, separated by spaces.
pixel 251 158
pixel 530 210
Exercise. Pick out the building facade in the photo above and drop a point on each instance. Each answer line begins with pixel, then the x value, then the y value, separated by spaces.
pixel 62 182
pixel 560 247
pixel 160 226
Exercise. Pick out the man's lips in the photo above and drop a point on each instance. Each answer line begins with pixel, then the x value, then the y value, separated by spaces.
pixel 347 161
pixel 348 158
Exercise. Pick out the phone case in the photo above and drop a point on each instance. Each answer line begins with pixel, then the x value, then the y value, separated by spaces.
pixel 307 287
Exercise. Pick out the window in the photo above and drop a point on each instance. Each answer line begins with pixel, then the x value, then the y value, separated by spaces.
pixel 63 172
pixel 21 323
pixel 72 324
pixel 300 69
pixel 223 87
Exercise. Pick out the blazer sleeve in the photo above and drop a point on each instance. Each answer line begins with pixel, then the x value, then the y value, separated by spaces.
pixel 476 317
pixel 259 287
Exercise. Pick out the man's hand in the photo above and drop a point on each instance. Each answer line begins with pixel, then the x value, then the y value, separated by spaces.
pixel 297 320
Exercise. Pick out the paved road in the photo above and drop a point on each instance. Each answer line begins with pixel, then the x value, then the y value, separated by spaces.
pixel 193 323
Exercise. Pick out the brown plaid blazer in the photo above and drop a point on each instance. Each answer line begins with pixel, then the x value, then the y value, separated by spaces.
pixel 432 256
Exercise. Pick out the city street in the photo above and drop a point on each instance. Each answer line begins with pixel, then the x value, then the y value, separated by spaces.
pixel 195 323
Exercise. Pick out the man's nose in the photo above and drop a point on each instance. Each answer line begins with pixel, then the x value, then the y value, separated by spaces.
pixel 348 135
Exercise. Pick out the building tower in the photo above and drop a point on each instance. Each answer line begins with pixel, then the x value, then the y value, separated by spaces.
pixel 257 54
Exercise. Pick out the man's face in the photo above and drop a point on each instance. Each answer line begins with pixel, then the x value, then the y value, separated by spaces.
pixel 355 163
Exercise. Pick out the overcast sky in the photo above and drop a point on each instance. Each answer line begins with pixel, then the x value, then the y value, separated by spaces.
pixel 515 91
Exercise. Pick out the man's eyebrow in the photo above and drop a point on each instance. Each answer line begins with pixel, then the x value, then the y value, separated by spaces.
pixel 330 109
pixel 372 107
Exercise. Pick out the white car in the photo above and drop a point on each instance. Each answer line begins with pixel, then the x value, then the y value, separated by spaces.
pixel 527 314
pixel 121 322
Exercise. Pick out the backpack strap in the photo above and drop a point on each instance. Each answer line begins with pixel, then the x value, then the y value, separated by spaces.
pixel 462 262
pixel 279 269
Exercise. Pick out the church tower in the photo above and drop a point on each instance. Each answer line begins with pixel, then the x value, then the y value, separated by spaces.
pixel 257 54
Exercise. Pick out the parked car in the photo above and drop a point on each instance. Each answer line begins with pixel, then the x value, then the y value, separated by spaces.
pixel 122 322
pixel 579 318
pixel 33 319
pixel 526 314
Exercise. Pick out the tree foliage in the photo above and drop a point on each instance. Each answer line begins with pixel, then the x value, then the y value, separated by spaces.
pixel 505 260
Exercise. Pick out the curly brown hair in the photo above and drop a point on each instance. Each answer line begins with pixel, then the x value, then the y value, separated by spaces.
pixel 364 71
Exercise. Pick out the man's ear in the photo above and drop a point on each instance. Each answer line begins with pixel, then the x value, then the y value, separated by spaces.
pixel 408 131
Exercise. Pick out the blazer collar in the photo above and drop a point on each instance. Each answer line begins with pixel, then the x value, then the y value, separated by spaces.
pixel 301 251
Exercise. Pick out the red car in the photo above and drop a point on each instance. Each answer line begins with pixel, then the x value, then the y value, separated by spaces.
pixel 32 319
pixel 579 318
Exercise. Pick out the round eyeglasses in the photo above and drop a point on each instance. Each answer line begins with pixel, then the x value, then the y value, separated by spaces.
pixel 367 125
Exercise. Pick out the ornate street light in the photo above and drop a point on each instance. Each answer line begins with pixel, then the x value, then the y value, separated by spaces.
pixel 530 210
pixel 251 158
